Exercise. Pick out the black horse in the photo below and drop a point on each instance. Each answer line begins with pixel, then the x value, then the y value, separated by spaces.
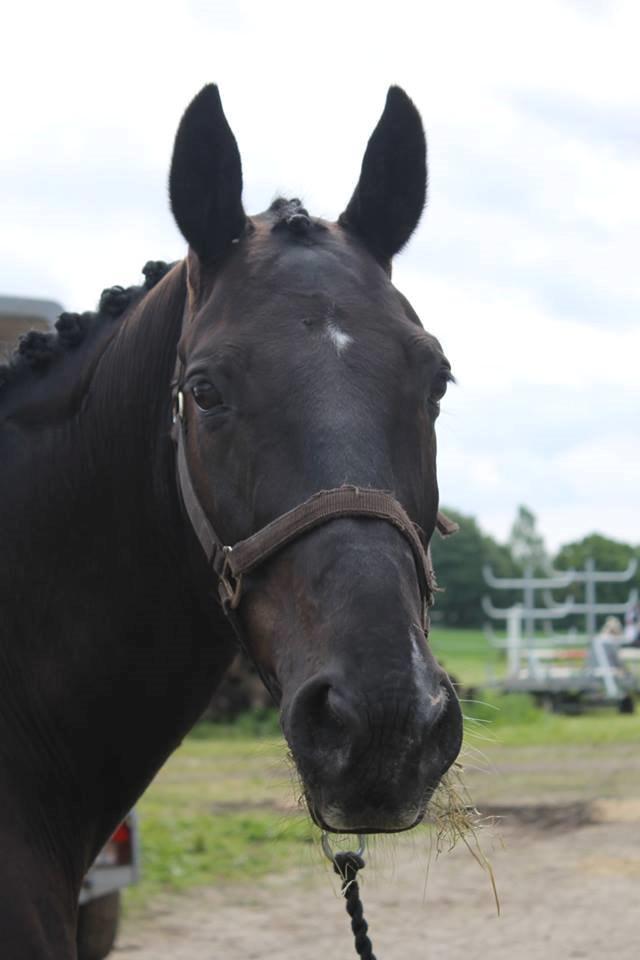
pixel 277 361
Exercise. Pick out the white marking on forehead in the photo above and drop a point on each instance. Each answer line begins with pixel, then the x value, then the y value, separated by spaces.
pixel 338 337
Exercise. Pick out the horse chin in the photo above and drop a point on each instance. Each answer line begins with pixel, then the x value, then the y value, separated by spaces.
pixel 333 818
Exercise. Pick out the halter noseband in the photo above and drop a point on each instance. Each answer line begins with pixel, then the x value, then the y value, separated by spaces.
pixel 231 563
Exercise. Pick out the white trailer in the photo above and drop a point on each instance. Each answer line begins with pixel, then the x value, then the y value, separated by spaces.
pixel 565 671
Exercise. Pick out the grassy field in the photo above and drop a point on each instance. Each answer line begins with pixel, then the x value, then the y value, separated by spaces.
pixel 514 720
pixel 222 808
pixel 467 655
pixel 225 808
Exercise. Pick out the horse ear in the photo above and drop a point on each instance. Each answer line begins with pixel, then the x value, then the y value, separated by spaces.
pixel 388 201
pixel 205 182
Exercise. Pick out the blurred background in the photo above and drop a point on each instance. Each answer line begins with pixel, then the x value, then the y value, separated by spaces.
pixel 525 266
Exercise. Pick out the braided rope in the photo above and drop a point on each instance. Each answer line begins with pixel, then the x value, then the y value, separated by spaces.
pixel 346 865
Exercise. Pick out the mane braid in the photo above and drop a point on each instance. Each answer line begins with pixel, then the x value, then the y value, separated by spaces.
pixel 36 351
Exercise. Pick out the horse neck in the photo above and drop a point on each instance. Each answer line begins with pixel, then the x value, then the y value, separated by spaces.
pixel 99 479
pixel 129 410
pixel 174 643
pixel 113 655
pixel 38 915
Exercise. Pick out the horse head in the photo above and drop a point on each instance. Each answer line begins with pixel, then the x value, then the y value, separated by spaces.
pixel 302 369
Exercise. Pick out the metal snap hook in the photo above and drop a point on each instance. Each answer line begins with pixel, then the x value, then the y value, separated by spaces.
pixel 330 853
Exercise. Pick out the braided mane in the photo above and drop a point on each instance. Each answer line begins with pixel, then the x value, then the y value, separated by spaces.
pixel 36 351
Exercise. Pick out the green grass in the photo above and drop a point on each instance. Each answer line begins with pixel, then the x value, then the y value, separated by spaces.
pixel 466 654
pixel 259 723
pixel 222 809
pixel 514 720
pixel 186 847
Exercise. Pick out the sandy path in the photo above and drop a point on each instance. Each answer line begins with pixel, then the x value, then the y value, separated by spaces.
pixel 566 891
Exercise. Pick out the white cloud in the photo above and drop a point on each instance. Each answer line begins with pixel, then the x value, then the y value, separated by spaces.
pixel 525 264
pixel 499 341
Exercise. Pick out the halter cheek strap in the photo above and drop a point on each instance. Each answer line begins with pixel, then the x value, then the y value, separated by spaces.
pixel 231 562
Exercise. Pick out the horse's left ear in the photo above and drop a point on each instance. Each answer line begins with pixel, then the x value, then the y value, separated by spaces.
pixel 387 203
pixel 205 182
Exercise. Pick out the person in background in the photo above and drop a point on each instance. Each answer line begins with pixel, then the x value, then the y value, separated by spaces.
pixel 612 630
pixel 632 626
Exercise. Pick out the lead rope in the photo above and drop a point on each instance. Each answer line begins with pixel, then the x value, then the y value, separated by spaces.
pixel 347 864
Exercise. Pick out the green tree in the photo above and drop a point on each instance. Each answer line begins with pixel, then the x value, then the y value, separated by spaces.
pixel 608 555
pixel 458 562
pixel 526 543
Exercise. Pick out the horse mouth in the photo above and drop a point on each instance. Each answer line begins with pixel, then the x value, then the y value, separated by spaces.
pixel 332 818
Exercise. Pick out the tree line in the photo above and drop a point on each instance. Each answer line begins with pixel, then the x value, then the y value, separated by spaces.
pixel 459 562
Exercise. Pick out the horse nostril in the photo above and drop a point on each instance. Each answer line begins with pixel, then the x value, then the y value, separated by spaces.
pixel 338 709
pixel 315 701
pixel 323 712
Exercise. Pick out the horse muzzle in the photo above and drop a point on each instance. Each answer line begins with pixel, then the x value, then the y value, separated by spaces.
pixel 371 764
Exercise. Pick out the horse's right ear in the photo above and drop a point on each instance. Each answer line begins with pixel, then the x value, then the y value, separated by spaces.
pixel 391 192
pixel 205 182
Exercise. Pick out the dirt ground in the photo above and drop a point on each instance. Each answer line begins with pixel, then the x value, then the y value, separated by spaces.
pixel 568 877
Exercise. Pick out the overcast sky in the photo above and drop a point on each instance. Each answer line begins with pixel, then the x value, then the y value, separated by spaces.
pixel 525 264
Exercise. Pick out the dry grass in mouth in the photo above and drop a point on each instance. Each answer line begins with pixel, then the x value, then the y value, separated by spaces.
pixel 451 812
pixel 456 819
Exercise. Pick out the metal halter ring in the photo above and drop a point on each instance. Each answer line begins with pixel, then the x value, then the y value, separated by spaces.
pixel 330 854
pixel 232 589
pixel 178 407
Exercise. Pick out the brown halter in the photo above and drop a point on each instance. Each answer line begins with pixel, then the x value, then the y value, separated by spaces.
pixel 231 563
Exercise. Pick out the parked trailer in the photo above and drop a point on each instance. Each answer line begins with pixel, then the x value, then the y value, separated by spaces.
pixel 565 673
pixel 568 680
pixel 116 866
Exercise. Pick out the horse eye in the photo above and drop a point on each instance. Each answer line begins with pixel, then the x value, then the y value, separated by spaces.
pixel 438 389
pixel 206 396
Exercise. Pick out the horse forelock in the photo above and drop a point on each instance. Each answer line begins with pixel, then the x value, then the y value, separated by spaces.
pixel 291 215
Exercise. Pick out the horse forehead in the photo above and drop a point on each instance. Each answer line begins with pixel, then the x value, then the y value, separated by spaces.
pixel 326 295
pixel 327 259
pixel 311 326
pixel 287 287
